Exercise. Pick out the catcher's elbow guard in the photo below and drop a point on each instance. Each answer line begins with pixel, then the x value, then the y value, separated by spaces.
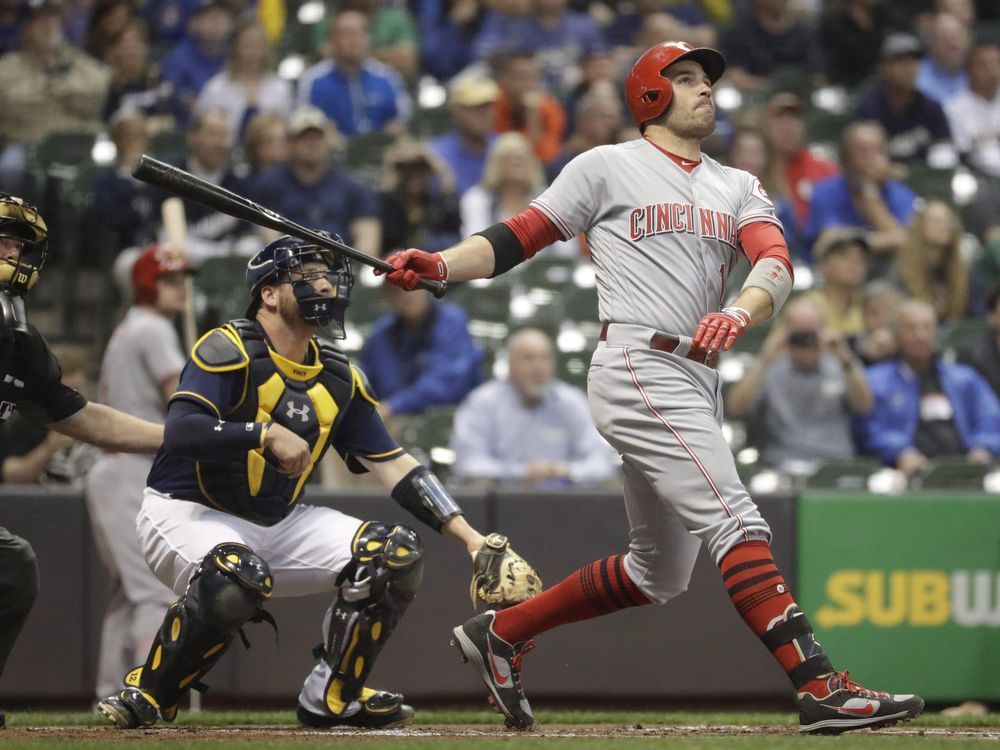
pixel 423 495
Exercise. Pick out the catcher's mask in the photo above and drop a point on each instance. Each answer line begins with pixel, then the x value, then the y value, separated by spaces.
pixel 283 261
pixel 24 241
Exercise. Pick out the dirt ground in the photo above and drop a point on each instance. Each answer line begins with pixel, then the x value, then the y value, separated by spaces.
pixel 286 734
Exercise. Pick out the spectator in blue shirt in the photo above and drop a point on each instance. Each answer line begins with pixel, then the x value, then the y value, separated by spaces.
pixel 310 191
pixel 356 92
pixel 464 148
pixel 168 19
pixel 202 53
pixel 942 73
pixel 864 195
pixel 557 35
pixel 530 428
pixel 447 31
pixel 926 407
pixel 913 122
pixel 420 355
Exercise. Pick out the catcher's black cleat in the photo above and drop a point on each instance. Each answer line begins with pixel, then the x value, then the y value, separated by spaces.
pixel 499 664
pixel 380 709
pixel 129 709
pixel 843 705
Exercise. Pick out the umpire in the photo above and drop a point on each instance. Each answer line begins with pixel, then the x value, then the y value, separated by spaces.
pixel 30 383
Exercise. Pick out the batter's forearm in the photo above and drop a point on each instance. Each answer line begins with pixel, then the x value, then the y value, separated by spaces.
pixel 755 301
pixel 472 258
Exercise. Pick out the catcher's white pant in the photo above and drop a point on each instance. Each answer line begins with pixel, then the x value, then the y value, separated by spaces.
pixel 306 552
pixel 663 413
pixel 137 599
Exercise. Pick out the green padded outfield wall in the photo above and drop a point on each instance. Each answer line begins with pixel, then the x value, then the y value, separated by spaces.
pixel 905 591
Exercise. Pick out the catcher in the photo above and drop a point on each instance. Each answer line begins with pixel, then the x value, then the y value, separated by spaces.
pixel 258 404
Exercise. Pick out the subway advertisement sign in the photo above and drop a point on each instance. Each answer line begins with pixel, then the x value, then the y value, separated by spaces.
pixel 904 591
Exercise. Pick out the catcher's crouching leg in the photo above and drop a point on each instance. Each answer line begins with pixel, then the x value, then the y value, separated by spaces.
pixel 376 587
pixel 225 592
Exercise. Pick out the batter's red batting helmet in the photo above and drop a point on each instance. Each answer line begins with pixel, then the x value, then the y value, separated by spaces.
pixel 154 262
pixel 648 91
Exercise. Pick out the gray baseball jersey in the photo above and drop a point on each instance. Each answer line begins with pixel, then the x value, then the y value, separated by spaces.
pixel 144 351
pixel 663 241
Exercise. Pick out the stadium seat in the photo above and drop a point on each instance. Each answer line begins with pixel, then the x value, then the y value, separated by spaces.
pixel 571 367
pixel 953 334
pixel 429 434
pixel 843 474
pixel 220 281
pixel 430 122
pixel 928 182
pixel 488 303
pixel 952 473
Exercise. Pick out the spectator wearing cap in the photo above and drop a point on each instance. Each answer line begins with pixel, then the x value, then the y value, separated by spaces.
pixel 851 34
pixel 464 148
pixel 942 72
pixel 930 266
pixel 841 255
pixel 926 407
pixel 801 392
pixel 975 113
pixel 447 33
pixel 248 84
pixel 795 168
pixel 913 122
pixel 982 352
pixel 48 85
pixel 555 33
pixel 866 194
pixel 356 92
pixel 202 53
pixel 309 190
pixel 524 106
pixel 766 37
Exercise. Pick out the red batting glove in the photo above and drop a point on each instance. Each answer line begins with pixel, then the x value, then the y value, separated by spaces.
pixel 411 266
pixel 717 331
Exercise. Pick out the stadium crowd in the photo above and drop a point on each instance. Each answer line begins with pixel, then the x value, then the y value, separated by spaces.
pixel 873 125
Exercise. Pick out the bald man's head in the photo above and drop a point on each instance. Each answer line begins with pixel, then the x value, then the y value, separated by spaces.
pixel 532 362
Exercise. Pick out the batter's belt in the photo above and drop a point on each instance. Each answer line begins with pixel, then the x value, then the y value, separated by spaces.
pixel 627 334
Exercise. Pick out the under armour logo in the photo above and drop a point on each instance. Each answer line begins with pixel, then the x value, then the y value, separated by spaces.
pixel 218 427
pixel 302 413
pixel 11 379
pixel 321 307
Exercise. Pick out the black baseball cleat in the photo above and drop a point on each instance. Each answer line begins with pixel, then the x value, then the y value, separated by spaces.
pixel 130 709
pixel 380 709
pixel 499 664
pixel 843 705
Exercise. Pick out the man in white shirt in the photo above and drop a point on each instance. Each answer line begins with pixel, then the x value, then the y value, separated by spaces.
pixel 974 114
pixel 530 428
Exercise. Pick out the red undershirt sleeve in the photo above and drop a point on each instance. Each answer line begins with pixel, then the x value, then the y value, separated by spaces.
pixel 762 239
pixel 534 230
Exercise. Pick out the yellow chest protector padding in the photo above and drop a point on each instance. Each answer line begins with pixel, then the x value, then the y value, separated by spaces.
pixel 308 399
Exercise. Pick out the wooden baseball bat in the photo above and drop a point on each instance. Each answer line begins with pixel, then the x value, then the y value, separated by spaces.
pixel 186 185
pixel 175 229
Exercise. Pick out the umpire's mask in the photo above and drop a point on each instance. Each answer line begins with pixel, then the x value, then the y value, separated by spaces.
pixel 23 247
pixel 285 261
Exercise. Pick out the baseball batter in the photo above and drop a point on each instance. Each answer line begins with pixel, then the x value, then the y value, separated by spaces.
pixel 257 406
pixel 665 226
pixel 141 366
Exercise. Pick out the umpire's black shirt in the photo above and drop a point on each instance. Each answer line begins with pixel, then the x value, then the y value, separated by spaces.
pixel 30 380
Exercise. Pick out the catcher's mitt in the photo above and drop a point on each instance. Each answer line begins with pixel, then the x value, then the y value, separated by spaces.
pixel 500 576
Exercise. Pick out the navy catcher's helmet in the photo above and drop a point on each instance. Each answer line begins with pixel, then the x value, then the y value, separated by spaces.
pixel 282 261
pixel 21 227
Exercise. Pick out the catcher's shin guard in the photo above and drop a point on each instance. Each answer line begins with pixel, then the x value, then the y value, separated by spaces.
pixel 225 591
pixel 376 587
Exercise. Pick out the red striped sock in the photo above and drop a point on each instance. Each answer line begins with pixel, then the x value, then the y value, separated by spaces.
pixel 596 589
pixel 759 593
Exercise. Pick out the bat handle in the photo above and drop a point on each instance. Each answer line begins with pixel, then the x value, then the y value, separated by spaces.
pixel 437 288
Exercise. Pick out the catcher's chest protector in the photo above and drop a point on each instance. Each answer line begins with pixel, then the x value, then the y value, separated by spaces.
pixel 309 400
